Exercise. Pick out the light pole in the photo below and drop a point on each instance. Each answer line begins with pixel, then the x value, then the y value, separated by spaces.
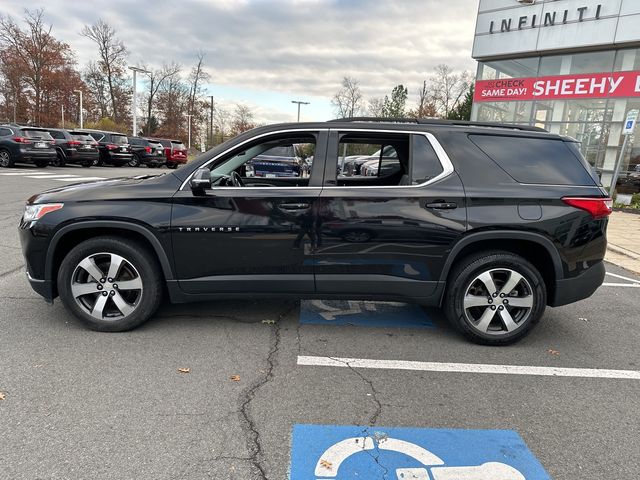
pixel 62 116
pixel 135 97
pixel 189 128
pixel 80 93
pixel 299 103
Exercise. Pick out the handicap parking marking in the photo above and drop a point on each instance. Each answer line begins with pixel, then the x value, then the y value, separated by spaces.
pixel 364 313
pixel 320 452
pixel 633 283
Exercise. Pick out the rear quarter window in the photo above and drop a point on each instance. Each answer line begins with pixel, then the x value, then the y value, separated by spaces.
pixel 534 160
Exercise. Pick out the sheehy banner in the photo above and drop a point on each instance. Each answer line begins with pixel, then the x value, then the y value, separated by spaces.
pixel 564 87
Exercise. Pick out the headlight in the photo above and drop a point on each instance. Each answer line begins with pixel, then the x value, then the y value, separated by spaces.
pixel 36 212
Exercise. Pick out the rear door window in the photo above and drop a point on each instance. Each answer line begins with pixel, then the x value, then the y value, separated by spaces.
pixel 425 163
pixel 535 160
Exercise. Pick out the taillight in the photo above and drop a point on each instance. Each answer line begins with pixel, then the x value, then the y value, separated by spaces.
pixel 597 207
pixel 21 140
pixel 111 146
pixel 74 143
pixel 147 149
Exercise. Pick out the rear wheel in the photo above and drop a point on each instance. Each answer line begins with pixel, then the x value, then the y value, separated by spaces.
pixel 172 165
pixel 495 298
pixel 6 160
pixel 41 163
pixel 110 284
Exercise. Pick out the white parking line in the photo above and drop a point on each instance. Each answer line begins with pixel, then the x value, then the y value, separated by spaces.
pixel 467 368
pixel 623 278
pixel 81 179
pixel 50 176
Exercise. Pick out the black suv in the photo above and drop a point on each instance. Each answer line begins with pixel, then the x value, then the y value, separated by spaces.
pixel 26 145
pixel 146 153
pixel 113 147
pixel 492 222
pixel 74 147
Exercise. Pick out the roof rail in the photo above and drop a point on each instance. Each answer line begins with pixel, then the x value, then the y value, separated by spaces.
pixel 438 121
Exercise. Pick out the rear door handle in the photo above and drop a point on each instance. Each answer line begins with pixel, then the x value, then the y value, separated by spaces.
pixel 442 205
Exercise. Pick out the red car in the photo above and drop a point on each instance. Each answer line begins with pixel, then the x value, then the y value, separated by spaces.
pixel 174 151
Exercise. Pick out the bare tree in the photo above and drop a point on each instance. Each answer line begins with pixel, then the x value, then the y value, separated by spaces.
pixel 426 107
pixel 155 81
pixel 196 78
pixel 112 62
pixel 348 100
pixel 375 107
pixel 448 88
pixel 221 119
pixel 242 119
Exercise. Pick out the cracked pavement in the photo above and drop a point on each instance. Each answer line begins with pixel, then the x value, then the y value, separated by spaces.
pixel 81 404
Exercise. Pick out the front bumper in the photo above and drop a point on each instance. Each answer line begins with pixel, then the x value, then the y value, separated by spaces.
pixel 578 288
pixel 41 287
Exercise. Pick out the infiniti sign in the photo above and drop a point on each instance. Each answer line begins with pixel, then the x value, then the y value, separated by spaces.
pixel 547 19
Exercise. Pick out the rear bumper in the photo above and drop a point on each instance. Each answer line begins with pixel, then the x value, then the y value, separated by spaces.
pixel 578 288
pixel 119 158
pixel 180 160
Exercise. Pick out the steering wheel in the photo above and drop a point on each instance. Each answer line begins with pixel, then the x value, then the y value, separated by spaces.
pixel 236 179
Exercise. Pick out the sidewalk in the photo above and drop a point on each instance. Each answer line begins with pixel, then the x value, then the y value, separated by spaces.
pixel 623 235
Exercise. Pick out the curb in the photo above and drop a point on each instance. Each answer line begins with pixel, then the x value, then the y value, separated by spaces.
pixel 623 251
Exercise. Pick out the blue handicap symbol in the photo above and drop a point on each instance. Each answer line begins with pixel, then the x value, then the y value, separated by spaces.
pixel 629 125
pixel 326 452
pixel 361 313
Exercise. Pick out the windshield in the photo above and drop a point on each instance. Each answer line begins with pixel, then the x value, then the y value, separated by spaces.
pixel 178 146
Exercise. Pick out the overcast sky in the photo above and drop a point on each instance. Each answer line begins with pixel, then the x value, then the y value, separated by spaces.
pixel 267 53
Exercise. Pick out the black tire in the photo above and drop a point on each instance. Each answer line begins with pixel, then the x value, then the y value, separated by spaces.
pixel 88 164
pixel 41 163
pixel 6 160
pixel 499 265
pixel 60 160
pixel 138 264
pixel 172 165
pixel 135 161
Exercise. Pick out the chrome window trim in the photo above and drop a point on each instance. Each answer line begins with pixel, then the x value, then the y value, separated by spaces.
pixel 443 157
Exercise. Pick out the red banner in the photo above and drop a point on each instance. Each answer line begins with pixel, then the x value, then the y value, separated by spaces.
pixel 564 87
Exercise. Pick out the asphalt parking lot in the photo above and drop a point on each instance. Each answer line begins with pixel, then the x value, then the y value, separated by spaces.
pixel 269 382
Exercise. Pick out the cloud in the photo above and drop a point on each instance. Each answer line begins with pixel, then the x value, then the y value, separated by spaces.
pixel 296 47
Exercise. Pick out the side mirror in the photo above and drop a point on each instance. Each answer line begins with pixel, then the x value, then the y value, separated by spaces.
pixel 200 181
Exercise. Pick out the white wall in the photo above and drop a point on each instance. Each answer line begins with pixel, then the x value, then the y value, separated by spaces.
pixel 619 24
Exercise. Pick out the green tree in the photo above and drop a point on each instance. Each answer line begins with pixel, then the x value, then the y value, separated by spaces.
pixel 394 107
pixel 462 111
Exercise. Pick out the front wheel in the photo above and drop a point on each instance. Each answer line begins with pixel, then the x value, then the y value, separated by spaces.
pixel 59 160
pixel 495 298
pixel 110 284
pixel 135 161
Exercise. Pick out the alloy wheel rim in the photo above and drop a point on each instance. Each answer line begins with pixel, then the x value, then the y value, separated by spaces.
pixel 498 301
pixel 106 286
pixel 4 159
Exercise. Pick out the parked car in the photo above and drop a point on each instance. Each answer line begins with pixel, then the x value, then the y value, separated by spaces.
pixel 113 147
pixel 74 147
pixel 174 151
pixel 146 153
pixel 490 236
pixel 22 144
pixel 276 162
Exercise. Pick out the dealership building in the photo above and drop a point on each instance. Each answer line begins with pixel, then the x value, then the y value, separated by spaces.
pixel 569 66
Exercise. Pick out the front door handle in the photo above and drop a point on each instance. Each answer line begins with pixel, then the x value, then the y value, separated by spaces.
pixel 294 206
pixel 442 205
